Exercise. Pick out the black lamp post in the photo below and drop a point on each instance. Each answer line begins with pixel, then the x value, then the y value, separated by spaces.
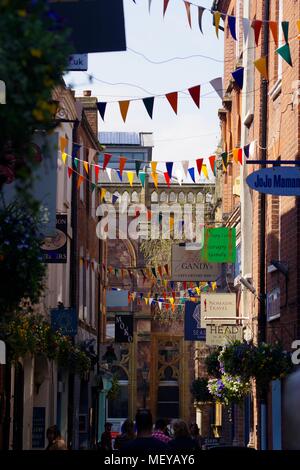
pixel 145 373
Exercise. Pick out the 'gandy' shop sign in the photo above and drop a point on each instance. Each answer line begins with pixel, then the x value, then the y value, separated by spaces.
pixel 280 181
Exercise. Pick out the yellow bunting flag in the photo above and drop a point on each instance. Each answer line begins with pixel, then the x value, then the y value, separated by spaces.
pixel 146 300
pixel 102 195
pixel 197 289
pixel 79 181
pixel 217 17
pixel 205 171
pixel 171 300
pixel 130 176
pixel 64 157
pixel 155 179
pixel 261 65
pixel 124 105
pixel 165 282
pixel 86 167
pixel 153 166
pixel 63 144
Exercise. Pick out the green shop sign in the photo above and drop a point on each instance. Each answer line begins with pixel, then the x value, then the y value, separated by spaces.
pixel 219 245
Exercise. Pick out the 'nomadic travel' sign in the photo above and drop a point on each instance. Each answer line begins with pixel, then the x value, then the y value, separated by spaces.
pixel 279 181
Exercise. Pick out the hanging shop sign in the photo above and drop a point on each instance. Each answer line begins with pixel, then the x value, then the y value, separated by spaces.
pixel 123 328
pixel 64 320
pixel 94 26
pixel 279 181
pixel 186 266
pixel 218 308
pixel 273 304
pixel 78 62
pixel 116 298
pixel 55 249
pixel 219 245
pixel 192 322
pixel 219 335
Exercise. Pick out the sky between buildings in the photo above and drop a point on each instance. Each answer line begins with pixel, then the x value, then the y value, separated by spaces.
pixel 193 133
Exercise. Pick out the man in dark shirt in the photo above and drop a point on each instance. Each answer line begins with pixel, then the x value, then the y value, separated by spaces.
pixel 144 442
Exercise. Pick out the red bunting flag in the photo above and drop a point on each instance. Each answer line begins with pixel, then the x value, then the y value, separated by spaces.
pixel 212 160
pixel 149 215
pixel 184 285
pixel 173 100
pixel 166 3
pixel 173 294
pixel 167 269
pixel 240 156
pixel 195 94
pixel 256 25
pixel 79 181
pixel 160 270
pixel 107 157
pixel 97 168
pixel 167 178
pixel 274 30
pixel 188 12
pixel 70 171
pixel 165 295
pixel 122 164
pixel 199 165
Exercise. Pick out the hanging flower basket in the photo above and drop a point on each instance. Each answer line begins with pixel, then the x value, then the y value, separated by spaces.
pixel 228 389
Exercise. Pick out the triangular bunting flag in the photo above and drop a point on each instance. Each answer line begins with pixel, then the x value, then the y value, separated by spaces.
pixel 195 94
pixel 238 76
pixel 217 17
pixel 205 171
pixel 185 166
pixel 179 174
pixel 75 162
pixel 63 142
pixel 119 175
pixel 130 176
pixel 153 166
pixel 70 171
pixel 102 108
pixel 167 269
pixel 224 156
pixel 79 181
pixel 240 156
pixel 142 176
pixel 92 155
pixel 217 84
pixel 212 161
pixel 261 65
pixel 167 178
pixel 285 29
pixel 246 28
pixel 109 172
pixel 232 26
pixel 235 154
pixel 86 167
pixel 123 161
pixel 256 25
pixel 154 272
pixel 285 53
pixel 252 148
pixel 124 105
pixel 155 179
pixel 173 100
pixel 169 166
pixel 159 305
pixel 94 186
pixel 200 15
pixel 192 173
pixel 64 157
pixel 199 162
pixel 274 30
pixel 246 150
pixel 160 270
pixel 102 194
pixel 97 169
pixel 149 103
pixel 166 3
pixel 137 167
pixel 114 198
pixel 76 147
pixel 106 159
pixel 188 12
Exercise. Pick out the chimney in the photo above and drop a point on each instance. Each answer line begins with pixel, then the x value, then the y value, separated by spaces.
pixel 89 104
pixel 87 93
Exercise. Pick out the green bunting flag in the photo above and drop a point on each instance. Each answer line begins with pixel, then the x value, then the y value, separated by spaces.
pixel 285 53
pixel 285 29
pixel 142 176
pixel 137 167
pixel 225 159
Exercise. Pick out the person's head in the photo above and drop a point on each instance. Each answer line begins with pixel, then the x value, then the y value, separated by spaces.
pixel 160 425
pixel 108 427
pixel 194 429
pixel 180 428
pixel 143 420
pixel 53 433
pixel 128 427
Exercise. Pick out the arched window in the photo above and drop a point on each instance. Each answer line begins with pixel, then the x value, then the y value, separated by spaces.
pixel 172 197
pixel 163 197
pixel 181 198
pixel 190 198
pixel 135 197
pixel 154 197
pixel 200 197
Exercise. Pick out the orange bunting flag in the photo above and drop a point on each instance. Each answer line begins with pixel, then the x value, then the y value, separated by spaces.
pixel 171 222
pixel 130 176
pixel 102 195
pixel 64 157
pixel 298 26
pixel 86 167
pixel 212 161
pixel 153 166
pixel 188 12
pixel 124 105
pixel 70 171
pixel 217 18
pixel 235 154
pixel 79 181
pixel 173 100
pixel 261 65
pixel 63 143
pixel 106 159
pixel 149 215
pixel 166 3
pixel 256 25
pixel 274 30
pixel 155 179
pixel 122 164
pixel 173 307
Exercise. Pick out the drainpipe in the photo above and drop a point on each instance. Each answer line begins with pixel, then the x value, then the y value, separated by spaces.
pixel 262 231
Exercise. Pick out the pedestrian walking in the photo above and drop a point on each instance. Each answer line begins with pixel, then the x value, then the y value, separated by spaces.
pixel 144 441
pixel 160 431
pixel 182 439
pixel 195 435
pixel 106 438
pixel 55 440
pixel 127 434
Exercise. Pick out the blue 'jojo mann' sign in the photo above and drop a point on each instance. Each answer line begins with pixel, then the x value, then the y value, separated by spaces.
pixel 279 181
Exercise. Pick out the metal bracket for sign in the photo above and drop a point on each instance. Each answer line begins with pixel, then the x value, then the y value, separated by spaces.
pixel 226 318
pixel 273 162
